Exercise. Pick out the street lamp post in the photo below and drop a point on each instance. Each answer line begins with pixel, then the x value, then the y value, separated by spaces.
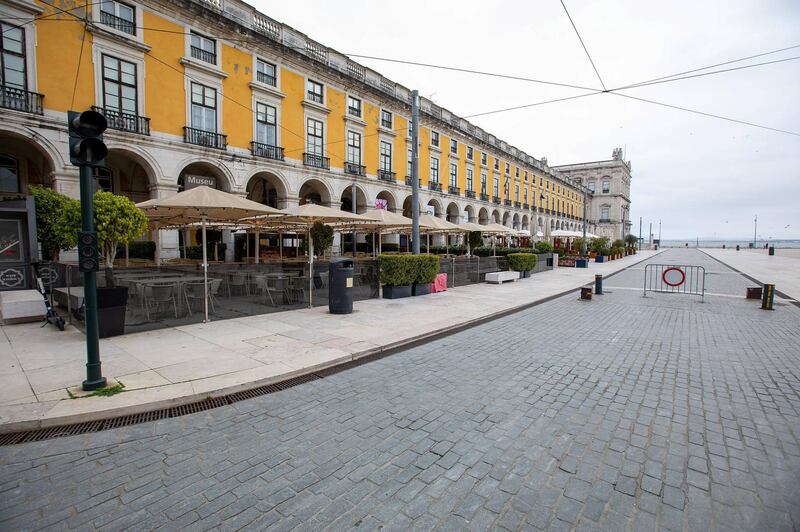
pixel 583 245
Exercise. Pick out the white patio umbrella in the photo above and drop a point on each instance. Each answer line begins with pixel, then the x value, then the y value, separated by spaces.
pixel 205 205
pixel 495 228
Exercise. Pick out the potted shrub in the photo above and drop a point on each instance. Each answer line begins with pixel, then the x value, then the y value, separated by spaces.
pixel 50 232
pixel 397 274
pixel 599 246
pixel 118 222
pixel 522 262
pixel 630 243
pixel 426 267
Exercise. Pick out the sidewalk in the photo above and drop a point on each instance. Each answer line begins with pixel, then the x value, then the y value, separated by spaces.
pixel 177 366
pixel 781 270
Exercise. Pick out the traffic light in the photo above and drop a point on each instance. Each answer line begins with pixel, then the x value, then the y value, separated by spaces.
pixel 86 147
pixel 88 253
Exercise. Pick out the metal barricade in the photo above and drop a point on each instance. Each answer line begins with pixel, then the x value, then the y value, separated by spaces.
pixel 675 279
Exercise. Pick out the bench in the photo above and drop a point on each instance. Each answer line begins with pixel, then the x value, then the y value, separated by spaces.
pixel 20 306
pixel 501 277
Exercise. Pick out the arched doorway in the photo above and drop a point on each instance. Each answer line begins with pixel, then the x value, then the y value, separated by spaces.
pixel 496 216
pixel 506 219
pixel 525 223
pixel 347 200
pixel 515 221
pixel 203 173
pixel 267 189
pixel 483 216
pixel 453 213
pixel 437 207
pixel 314 191
pixel 125 174
pixel 469 210
pixel 388 197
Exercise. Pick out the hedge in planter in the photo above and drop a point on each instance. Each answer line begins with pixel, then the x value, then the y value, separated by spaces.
pixel 427 267
pixel 522 262
pixel 397 273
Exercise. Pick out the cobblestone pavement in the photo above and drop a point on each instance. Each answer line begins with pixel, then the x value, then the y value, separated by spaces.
pixel 620 413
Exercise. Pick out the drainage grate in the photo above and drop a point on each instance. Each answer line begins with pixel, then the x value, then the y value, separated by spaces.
pixel 135 419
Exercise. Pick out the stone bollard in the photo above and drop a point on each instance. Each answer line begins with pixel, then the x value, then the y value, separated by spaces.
pixel 598 284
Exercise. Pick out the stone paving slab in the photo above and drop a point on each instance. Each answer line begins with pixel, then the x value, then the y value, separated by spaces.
pixel 170 367
pixel 781 270
pixel 621 414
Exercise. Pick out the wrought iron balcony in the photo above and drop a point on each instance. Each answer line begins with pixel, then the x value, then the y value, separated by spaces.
pixel 517 205
pixel 209 139
pixel 604 220
pixel 267 151
pixel 470 194
pixel 125 121
pixel 355 169
pixel 21 100
pixel 204 55
pixel 484 196
pixel 453 190
pixel 409 181
pixel 266 79
pixel 316 161
pixel 435 185
pixel 118 23
pixel 507 202
pixel 496 199
pixel 386 175
pixel 526 206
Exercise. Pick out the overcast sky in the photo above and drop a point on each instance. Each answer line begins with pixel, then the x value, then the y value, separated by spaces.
pixel 700 176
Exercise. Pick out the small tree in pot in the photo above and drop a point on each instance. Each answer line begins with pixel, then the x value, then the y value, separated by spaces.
pixel 323 237
pixel 600 247
pixel 630 243
pixel 50 232
pixel 522 262
pixel 397 273
pixel 427 267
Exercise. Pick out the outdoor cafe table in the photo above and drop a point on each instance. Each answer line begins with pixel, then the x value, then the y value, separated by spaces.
pixel 177 281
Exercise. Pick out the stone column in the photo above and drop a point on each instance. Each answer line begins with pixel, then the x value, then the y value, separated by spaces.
pixel 169 237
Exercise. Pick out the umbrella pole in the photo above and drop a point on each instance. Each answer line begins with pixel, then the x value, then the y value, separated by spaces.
pixel 205 273
pixel 158 246
pixel 310 270
pixel 258 245
pixel 494 239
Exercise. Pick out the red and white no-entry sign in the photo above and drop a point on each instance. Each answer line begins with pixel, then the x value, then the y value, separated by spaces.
pixel 673 277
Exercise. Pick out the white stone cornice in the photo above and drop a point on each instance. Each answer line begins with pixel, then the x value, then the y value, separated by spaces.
pixel 204 67
pixel 308 104
pixel 266 89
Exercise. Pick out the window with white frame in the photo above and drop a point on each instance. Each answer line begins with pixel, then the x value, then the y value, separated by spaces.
pixel 434 138
pixel 604 210
pixel 119 85
pixel 266 73
pixel 118 15
pixel 606 186
pixel 483 182
pixel 525 195
pixel 496 164
pixel 266 124
pixel 386 119
pixel 453 146
pixel 516 172
pixel 590 186
pixel 516 192
pixel 409 160
pixel 203 48
pixel 314 136
pixel 470 153
pixel 496 188
pixel 385 162
pixel 453 175
pixel 314 91
pixel 354 147
pixel 103 178
pixel 483 158
pixel 470 180
pixel 508 168
pixel 354 106
pixel 434 170
pixel 204 108
pixel 12 57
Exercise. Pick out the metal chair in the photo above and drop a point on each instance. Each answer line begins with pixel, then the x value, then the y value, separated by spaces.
pixel 195 291
pixel 297 287
pixel 237 280
pixel 158 295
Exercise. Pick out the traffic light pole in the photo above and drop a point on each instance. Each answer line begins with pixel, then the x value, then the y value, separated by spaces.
pixel 94 375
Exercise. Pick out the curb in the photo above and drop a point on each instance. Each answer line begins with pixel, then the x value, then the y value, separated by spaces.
pixel 329 367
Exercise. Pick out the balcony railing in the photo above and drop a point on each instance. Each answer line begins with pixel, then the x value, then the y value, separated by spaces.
pixel 604 220
pixel 507 202
pixel 209 139
pixel 484 196
pixel 453 190
pixel 21 100
pixel 386 175
pixel 517 205
pixel 265 78
pixel 526 206
pixel 316 161
pixel 118 23
pixel 355 169
pixel 435 185
pixel 496 199
pixel 267 151
pixel 125 121
pixel 470 194
pixel 204 55
pixel 409 181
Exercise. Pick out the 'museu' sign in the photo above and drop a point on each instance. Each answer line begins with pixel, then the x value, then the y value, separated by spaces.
pixel 191 181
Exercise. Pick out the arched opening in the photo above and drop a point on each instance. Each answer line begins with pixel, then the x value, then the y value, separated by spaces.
pixel 388 197
pixel 267 189
pixel 496 216
pixel 407 207
pixel 515 221
pixel 314 191
pixel 347 200
pixel 469 210
pixel 506 219
pixel 24 163
pixel 202 173
pixel 525 223
pixel 483 216
pixel 437 207
pixel 453 213
pixel 125 174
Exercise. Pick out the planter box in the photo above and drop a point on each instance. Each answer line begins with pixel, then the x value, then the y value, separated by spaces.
pixel 599 258
pixel 581 263
pixel 525 275
pixel 396 292
pixel 421 289
pixel 566 263
pixel 592 254
pixel 111 306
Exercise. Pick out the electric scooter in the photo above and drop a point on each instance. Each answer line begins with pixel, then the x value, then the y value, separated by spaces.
pixel 51 316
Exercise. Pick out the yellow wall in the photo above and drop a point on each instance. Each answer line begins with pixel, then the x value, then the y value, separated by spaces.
pixel 292 117
pixel 336 101
pixel 371 114
pixel 58 53
pixel 237 108
pixel 425 155
pixel 165 90
pixel 400 148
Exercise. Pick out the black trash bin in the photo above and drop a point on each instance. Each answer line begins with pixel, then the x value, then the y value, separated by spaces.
pixel 111 305
pixel 772 250
pixel 340 286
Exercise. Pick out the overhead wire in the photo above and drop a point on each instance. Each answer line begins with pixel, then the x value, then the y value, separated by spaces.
pixel 574 27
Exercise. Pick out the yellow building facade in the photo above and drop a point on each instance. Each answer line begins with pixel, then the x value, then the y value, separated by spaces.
pixel 218 93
